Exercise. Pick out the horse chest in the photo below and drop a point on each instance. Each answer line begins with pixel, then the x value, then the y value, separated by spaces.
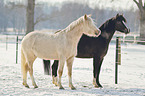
pixel 70 51
pixel 103 52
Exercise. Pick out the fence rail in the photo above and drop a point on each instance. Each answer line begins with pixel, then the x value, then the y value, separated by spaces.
pixel 118 38
pixel 129 38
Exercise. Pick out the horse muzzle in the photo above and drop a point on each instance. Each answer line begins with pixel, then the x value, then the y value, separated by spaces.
pixel 127 31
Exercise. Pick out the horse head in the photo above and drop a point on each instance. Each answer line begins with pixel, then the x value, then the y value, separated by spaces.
pixel 90 28
pixel 120 24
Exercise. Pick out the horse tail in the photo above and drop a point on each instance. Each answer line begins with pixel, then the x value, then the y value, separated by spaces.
pixel 24 65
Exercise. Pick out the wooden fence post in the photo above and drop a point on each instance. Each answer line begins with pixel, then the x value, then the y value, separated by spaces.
pixel 118 58
pixel 6 42
pixel 17 50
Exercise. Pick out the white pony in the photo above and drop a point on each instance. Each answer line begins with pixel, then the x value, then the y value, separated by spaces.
pixel 60 46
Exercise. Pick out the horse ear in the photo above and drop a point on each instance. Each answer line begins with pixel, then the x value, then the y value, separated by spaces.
pixel 89 15
pixel 117 15
pixel 85 17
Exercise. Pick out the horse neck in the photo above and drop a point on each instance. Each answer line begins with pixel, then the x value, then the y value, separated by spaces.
pixel 74 35
pixel 107 32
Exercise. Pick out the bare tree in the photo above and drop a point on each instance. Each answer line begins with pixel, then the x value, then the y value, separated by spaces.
pixel 30 22
pixel 17 20
pixel 30 16
pixel 141 7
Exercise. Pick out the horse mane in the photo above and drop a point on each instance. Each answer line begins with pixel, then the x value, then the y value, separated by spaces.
pixel 110 22
pixel 120 18
pixel 106 24
pixel 57 31
pixel 72 25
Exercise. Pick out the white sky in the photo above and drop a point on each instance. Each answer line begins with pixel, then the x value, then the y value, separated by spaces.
pixel 116 4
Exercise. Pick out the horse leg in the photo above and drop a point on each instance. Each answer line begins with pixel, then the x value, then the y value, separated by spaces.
pixel 97 62
pixel 31 75
pixel 30 59
pixel 69 66
pixel 54 72
pixel 98 74
pixel 46 67
pixel 24 71
pixel 60 71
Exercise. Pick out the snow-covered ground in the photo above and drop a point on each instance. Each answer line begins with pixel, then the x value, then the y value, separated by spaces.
pixel 131 75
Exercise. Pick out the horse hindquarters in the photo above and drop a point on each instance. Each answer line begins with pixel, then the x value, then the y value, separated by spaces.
pixel 27 65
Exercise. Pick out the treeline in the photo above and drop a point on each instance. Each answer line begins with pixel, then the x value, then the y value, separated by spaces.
pixel 13 15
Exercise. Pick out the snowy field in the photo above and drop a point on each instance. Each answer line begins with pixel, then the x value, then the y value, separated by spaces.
pixel 131 75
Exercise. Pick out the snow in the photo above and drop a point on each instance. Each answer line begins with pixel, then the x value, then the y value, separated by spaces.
pixel 131 81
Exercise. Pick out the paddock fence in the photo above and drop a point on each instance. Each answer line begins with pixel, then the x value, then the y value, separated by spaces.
pixel 134 38
pixel 15 38
pixel 128 38
pixel 10 38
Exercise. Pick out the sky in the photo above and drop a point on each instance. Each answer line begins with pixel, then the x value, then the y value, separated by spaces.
pixel 116 4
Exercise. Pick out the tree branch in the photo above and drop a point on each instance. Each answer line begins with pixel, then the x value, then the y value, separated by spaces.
pixel 139 4
pixel 41 18
pixel 12 5
pixel 44 17
pixel 135 1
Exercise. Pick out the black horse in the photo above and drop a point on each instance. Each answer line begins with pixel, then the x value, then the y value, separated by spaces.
pixel 95 47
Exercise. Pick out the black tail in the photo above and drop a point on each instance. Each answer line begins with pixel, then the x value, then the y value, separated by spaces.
pixel 47 69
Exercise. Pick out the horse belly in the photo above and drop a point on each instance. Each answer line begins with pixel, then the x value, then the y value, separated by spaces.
pixel 49 54
pixel 84 55
pixel 85 52
pixel 46 51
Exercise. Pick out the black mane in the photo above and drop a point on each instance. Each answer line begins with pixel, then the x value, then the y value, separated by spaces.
pixel 108 25
pixel 121 18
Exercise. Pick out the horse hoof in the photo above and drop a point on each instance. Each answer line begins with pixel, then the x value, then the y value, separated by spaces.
pixel 56 84
pixel 73 88
pixel 35 87
pixel 54 81
pixel 61 88
pixel 26 85
pixel 100 87
pixel 96 86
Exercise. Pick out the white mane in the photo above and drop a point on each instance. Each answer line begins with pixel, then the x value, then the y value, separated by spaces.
pixel 75 23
